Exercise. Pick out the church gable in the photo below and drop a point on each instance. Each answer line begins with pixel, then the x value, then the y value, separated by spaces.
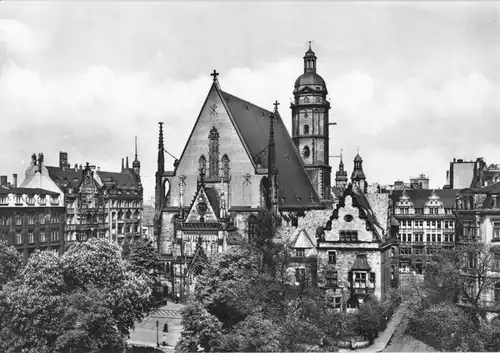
pixel 201 209
pixel 88 184
pixel 215 145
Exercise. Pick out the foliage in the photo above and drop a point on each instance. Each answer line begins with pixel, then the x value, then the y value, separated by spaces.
pixel 85 299
pixel 247 299
pixel 369 316
pixel 10 262
pixel 144 259
pixel 445 325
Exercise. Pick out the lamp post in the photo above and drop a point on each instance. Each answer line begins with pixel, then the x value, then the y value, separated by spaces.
pixel 157 340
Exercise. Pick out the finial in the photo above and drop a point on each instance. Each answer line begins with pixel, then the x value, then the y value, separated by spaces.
pixel 214 75
pixel 310 45
pixel 358 149
pixel 160 139
pixel 136 148
pixel 276 103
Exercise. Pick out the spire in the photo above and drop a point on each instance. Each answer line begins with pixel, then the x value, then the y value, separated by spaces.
pixel 161 148
pixel 341 164
pixel 271 163
pixel 136 165
pixel 310 60
pixel 135 148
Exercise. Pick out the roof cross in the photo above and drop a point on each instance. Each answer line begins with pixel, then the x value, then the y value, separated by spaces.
pixel 276 103
pixel 214 75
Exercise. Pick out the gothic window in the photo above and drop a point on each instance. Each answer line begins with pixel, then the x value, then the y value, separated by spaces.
pixel 225 166
pixel 213 157
pixel 306 129
pixel 306 152
pixel 202 164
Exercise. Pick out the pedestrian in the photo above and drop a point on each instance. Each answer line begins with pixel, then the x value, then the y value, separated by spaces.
pixel 177 298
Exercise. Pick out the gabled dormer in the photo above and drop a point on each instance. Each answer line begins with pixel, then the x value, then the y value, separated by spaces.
pixel 433 205
pixel 404 206
pixel 301 244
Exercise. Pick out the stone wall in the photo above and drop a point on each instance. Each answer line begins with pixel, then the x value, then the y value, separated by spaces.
pixel 345 260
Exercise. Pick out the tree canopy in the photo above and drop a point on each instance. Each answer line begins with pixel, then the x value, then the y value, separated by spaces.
pixel 245 300
pixel 85 299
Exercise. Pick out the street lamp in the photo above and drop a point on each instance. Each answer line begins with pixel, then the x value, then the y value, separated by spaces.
pixel 157 340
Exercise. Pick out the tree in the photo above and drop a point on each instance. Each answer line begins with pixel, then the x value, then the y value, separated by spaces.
pixel 250 303
pixel 85 299
pixel 10 262
pixel 462 274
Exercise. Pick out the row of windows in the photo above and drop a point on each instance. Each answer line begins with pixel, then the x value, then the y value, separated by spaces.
pixel 432 210
pixel 349 235
pixel 419 237
pixel 52 235
pixel 113 203
pixel 32 219
pixel 128 228
pixel 30 200
pixel 408 250
pixel 437 224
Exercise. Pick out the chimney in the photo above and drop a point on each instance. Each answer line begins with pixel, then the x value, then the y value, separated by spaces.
pixel 3 180
pixel 126 164
pixel 76 166
pixel 14 180
pixel 40 162
pixel 123 166
pixel 33 158
pixel 81 167
pixel 63 160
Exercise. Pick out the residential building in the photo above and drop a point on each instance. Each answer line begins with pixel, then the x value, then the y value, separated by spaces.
pixel 98 203
pixel 427 224
pixel 32 218
pixel 478 221
pixel 357 249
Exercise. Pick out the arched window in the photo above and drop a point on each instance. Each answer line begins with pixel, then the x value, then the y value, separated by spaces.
pixel 213 154
pixel 306 152
pixel 306 129
pixel 225 166
pixel 202 162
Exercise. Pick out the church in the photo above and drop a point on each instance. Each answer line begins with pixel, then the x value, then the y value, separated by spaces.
pixel 238 160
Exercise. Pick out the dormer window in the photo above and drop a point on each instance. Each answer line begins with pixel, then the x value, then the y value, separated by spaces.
pixel 18 199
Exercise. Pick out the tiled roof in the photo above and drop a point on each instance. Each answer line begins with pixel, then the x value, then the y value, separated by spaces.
pixel 126 178
pixel 491 189
pixel 27 191
pixel 73 178
pixel 253 124
pixel 361 201
pixel 420 196
pixel 65 177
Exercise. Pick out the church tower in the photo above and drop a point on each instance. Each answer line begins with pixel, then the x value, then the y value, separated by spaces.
pixel 358 176
pixel 310 125
pixel 341 176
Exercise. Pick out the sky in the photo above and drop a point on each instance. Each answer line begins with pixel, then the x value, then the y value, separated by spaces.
pixel 412 84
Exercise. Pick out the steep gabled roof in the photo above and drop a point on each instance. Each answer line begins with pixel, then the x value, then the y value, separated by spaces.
pixel 127 178
pixel 490 189
pixel 420 196
pixel 65 177
pixel 296 190
pixel 302 240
